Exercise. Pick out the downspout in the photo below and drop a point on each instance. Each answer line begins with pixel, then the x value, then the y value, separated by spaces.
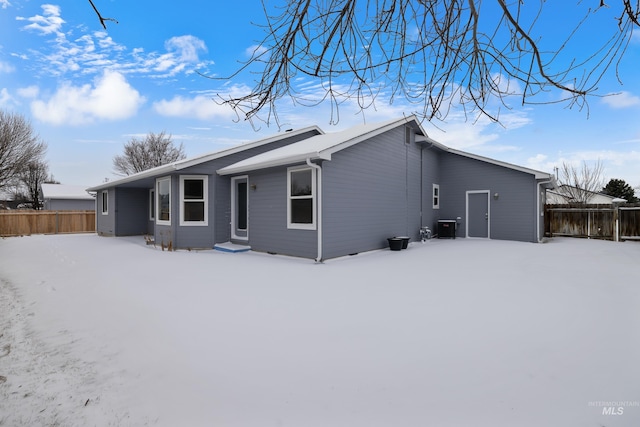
pixel 318 207
pixel 538 207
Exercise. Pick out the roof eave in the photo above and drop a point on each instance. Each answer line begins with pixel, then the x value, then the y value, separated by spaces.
pixel 149 173
pixel 300 158
pixel 183 164
pixel 69 198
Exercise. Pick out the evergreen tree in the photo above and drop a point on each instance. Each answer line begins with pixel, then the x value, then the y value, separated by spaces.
pixel 619 188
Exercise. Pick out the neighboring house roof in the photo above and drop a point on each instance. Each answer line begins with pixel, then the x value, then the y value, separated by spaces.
pixel 561 195
pixel 182 164
pixel 323 146
pixel 65 192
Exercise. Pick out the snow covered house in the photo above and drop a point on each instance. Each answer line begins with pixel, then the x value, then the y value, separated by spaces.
pixel 59 197
pixel 321 196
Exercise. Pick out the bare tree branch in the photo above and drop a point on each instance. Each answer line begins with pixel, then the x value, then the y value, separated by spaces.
pixel 432 53
pixel 31 178
pixel 19 146
pixel 154 150
pixel 102 20
pixel 578 185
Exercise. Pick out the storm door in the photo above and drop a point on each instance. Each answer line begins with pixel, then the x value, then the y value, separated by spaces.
pixel 478 214
pixel 240 208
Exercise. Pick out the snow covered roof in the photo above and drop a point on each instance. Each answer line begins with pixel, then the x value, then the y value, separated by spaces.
pixel 563 194
pixel 317 147
pixel 66 192
pixel 182 164
pixel 323 146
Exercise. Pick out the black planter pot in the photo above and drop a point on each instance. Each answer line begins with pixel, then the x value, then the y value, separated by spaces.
pixel 395 243
pixel 405 241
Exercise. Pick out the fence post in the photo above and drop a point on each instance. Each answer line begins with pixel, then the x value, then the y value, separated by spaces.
pixel 616 217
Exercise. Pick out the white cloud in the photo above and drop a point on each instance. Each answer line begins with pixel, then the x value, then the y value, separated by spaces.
pixel 182 56
pixel 49 22
pixel 616 164
pixel 506 85
pixel 5 3
pixel 461 132
pixel 621 100
pixel 29 92
pixel 255 50
pixel 200 107
pixel 186 47
pixel 5 98
pixel 540 162
pixel 462 135
pixel 92 53
pixel 110 98
pixel 5 67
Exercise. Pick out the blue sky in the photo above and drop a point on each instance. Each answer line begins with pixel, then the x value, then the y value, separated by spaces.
pixel 88 91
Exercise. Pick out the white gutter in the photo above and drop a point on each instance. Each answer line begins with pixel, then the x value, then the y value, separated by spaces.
pixel 538 207
pixel 318 207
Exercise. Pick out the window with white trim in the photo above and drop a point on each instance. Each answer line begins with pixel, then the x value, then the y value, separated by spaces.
pixel 105 202
pixel 436 196
pixel 301 195
pixel 193 200
pixel 163 199
pixel 152 204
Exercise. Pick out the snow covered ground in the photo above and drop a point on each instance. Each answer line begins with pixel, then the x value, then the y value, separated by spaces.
pixel 111 332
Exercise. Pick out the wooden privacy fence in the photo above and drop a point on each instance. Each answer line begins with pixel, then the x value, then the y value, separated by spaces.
pixel 19 223
pixel 593 221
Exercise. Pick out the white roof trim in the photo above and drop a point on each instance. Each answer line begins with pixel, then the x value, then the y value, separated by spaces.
pixel 193 161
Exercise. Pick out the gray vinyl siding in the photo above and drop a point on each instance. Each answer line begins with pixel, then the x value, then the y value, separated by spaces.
pixel 106 224
pixel 371 191
pixel 134 216
pixel 268 230
pixel 222 222
pixel 187 236
pixel 430 176
pixel 131 209
pixel 222 185
pixel 192 236
pixel 69 205
pixel 512 213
